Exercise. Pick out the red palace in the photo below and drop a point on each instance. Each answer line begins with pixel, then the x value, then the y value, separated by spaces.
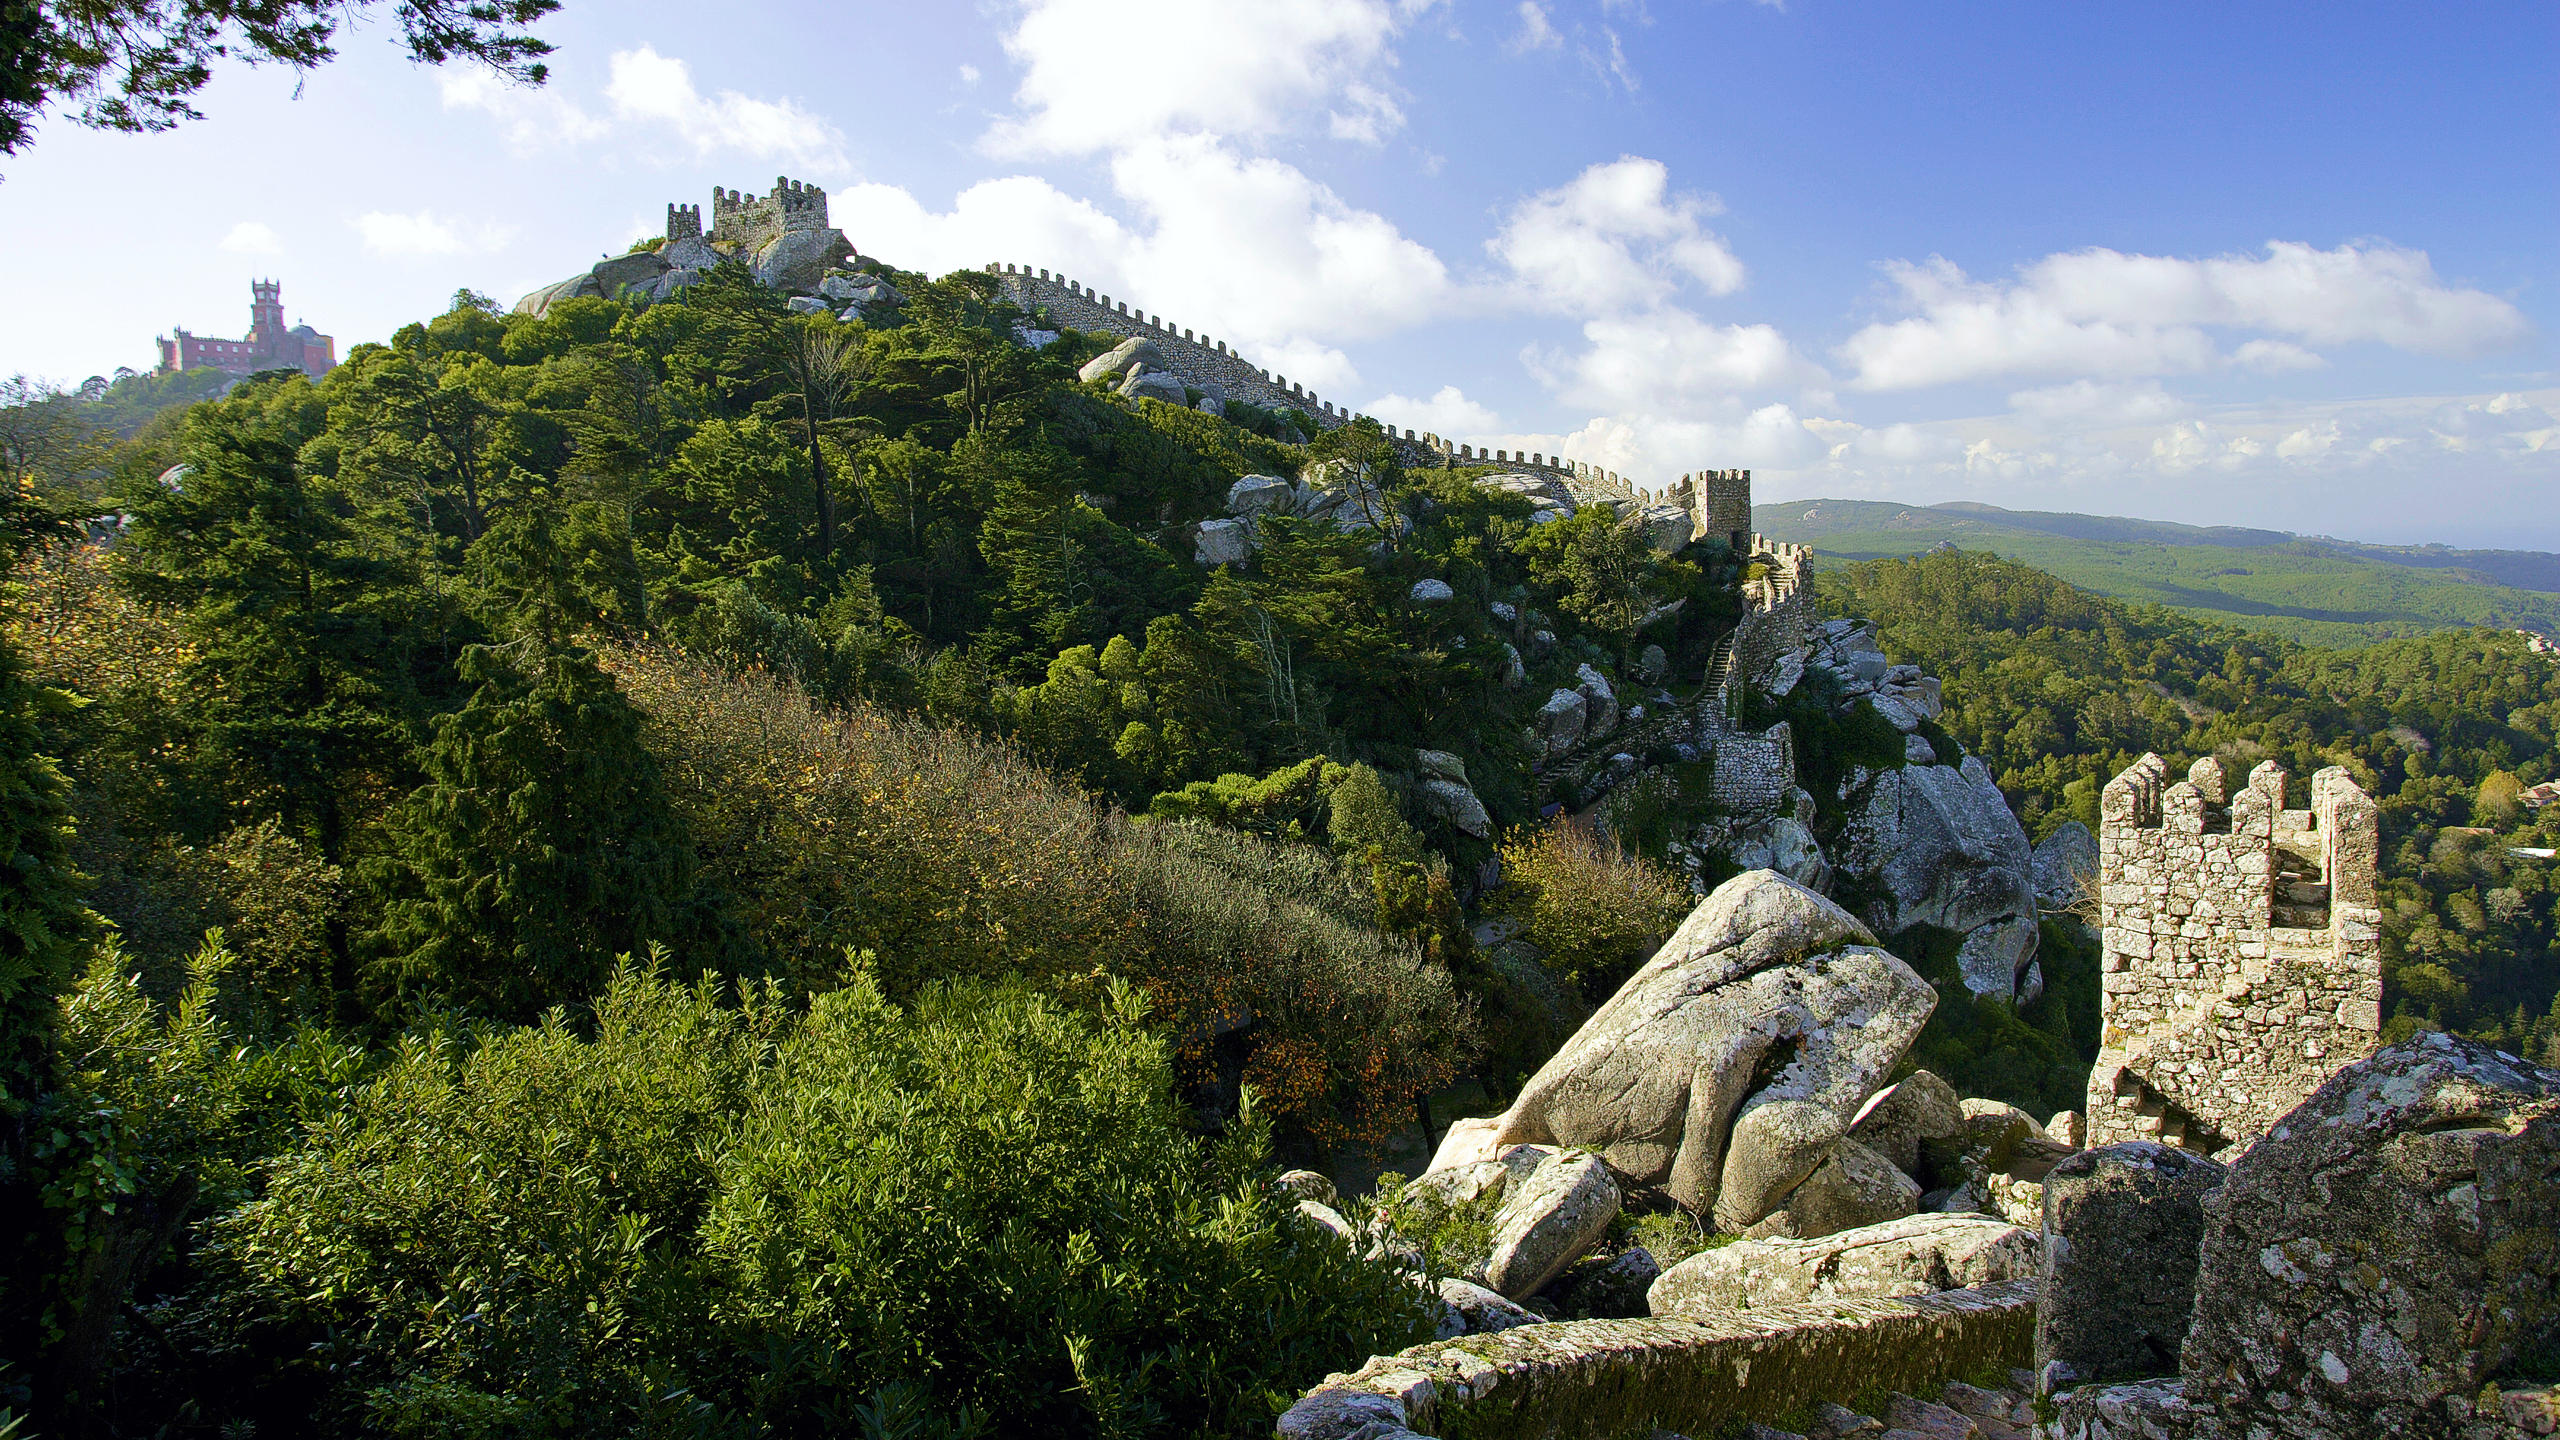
pixel 270 345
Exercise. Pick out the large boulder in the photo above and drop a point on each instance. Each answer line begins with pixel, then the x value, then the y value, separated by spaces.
pixel 690 253
pixel 1549 1217
pixel 1477 1310
pixel 2123 1227
pixel 1599 698
pixel 1936 845
pixel 1667 528
pixel 2386 1250
pixel 538 304
pixel 1852 1188
pixel 1782 843
pixel 2065 864
pixel 1918 1255
pixel 639 269
pixel 1222 542
pixel 1901 1118
pixel 796 261
pixel 1560 722
pixel 1454 802
pixel 1257 495
pixel 1546 492
pixel 1161 385
pixel 1135 352
pixel 1725 1068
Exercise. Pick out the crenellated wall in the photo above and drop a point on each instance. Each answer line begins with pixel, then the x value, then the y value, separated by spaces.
pixel 745 222
pixel 1079 306
pixel 2241 958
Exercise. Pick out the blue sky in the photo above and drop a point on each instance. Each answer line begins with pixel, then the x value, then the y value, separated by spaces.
pixel 2277 265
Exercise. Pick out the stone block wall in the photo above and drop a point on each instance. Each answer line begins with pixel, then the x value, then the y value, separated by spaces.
pixel 1607 1378
pixel 2240 949
pixel 1778 610
pixel 745 222
pixel 1079 306
pixel 1753 774
pixel 684 222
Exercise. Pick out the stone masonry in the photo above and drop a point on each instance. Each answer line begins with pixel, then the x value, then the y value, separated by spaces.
pixel 2241 959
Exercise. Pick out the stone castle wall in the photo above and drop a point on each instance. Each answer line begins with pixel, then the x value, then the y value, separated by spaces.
pixel 1699 1376
pixel 2240 950
pixel 1199 357
pixel 747 222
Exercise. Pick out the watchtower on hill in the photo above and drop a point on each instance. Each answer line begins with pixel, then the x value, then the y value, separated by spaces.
pixel 744 223
pixel 2241 958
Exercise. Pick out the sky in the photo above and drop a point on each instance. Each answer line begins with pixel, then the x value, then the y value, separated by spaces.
pixel 2282 265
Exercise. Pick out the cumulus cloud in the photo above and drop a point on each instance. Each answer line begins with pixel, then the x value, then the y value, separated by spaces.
pixel 649 91
pixel 1100 75
pixel 1448 412
pixel 2090 403
pixel 1670 361
pixel 425 233
pixel 648 86
pixel 2481 469
pixel 2103 313
pixel 1614 238
pixel 252 237
pixel 530 119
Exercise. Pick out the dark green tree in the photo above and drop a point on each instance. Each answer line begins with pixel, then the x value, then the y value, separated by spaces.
pixel 541 846
pixel 302 634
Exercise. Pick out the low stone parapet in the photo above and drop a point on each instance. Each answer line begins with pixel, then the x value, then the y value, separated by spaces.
pixel 1606 1378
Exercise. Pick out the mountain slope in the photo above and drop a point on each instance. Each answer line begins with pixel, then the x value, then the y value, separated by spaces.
pixel 2308 588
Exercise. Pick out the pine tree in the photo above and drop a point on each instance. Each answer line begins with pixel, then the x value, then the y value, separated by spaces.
pixel 43 925
pixel 541 847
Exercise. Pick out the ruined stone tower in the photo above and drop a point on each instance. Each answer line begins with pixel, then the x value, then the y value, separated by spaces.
pixel 2241 959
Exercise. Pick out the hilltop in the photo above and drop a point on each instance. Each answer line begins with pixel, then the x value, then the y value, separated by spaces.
pixel 2304 587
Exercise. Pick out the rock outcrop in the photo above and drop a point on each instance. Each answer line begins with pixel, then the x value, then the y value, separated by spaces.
pixel 2391 1245
pixel 1728 1066
pixel 1919 1255
pixel 2123 1233
pixel 2065 867
pixel 1549 1217
pixel 1852 1188
pixel 1939 847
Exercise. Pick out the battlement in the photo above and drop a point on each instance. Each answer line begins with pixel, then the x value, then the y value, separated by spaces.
pixel 746 222
pixel 1080 306
pixel 684 222
pixel 2239 945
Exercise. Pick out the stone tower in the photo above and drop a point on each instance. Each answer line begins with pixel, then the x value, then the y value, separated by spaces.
pixel 266 311
pixel 2240 952
pixel 1728 502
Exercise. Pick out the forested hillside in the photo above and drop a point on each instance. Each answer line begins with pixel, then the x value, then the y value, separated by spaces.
pixel 2313 590
pixel 622 788
pixel 2058 690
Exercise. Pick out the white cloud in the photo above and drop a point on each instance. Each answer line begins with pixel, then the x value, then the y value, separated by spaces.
pixel 251 237
pixel 970 76
pixel 530 119
pixel 648 86
pixel 424 233
pixel 1447 413
pixel 2084 403
pixel 1614 238
pixel 649 91
pixel 1104 74
pixel 1536 31
pixel 2481 469
pixel 1671 362
pixel 2103 313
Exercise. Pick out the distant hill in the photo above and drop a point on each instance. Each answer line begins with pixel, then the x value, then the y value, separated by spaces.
pixel 2308 587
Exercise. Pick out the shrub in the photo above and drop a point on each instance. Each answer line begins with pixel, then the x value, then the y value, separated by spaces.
pixel 981 1214
pixel 954 858
pixel 1594 912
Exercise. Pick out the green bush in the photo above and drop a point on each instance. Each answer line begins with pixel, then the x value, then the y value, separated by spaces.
pixel 1594 912
pixel 981 1214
